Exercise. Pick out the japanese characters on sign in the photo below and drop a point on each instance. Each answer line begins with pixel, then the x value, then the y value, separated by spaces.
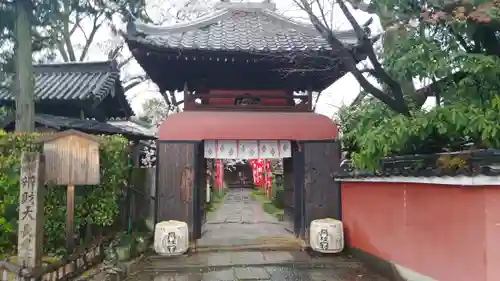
pixel 323 239
pixel 30 210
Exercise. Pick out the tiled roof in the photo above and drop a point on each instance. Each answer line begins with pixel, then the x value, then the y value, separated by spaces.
pixel 133 127
pixel 237 27
pixel 72 81
pixel 475 162
pixel 84 125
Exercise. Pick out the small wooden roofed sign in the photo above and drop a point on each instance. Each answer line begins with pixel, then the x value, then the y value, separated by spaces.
pixel 71 157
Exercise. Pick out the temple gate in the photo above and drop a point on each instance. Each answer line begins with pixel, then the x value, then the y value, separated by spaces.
pixel 248 79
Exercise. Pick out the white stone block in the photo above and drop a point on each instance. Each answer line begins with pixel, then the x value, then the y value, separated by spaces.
pixel 171 238
pixel 326 236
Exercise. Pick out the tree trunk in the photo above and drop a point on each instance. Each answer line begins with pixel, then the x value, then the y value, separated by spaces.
pixel 24 95
pixel 389 42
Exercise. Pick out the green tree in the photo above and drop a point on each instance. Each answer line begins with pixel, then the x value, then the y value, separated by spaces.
pixel 472 27
pixel 25 29
pixel 18 26
pixel 25 104
pixel 452 44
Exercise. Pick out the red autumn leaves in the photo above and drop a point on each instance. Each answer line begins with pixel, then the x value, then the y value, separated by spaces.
pixel 463 10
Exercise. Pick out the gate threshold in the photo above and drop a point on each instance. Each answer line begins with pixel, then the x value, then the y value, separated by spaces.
pixel 254 244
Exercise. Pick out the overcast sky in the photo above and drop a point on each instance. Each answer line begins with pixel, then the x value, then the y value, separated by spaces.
pixel 342 92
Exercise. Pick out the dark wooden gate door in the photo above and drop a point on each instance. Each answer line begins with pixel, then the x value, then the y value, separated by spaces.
pixel 288 190
pixel 199 192
pixel 298 160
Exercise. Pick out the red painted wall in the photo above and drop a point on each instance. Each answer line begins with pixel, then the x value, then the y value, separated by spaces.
pixel 255 93
pixel 444 232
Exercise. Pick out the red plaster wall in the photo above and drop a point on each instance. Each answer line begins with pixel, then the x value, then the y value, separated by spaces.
pixel 445 232
pixel 493 235
pixel 255 93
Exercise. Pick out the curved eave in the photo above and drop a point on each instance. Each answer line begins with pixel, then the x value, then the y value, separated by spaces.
pixel 216 125
pixel 137 27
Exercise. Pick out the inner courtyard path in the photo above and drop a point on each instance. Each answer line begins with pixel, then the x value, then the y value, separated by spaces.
pixel 240 220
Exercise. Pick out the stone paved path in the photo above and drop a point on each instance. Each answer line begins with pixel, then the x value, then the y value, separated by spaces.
pixel 268 265
pixel 241 220
pixel 267 273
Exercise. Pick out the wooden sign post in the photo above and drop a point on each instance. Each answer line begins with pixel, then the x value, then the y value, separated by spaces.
pixel 31 197
pixel 71 158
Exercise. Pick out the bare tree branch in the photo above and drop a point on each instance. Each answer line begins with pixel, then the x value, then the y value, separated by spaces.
pixel 316 101
pixel 90 39
pixel 361 5
pixel 395 98
pixel 62 51
pixel 323 16
pixel 397 92
pixel 66 31
pixel 76 24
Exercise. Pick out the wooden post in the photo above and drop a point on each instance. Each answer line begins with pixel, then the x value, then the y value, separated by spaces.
pixel 189 100
pixel 31 200
pixel 310 98
pixel 70 216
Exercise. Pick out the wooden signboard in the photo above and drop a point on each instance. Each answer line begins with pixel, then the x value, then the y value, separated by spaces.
pixel 71 158
pixel 31 196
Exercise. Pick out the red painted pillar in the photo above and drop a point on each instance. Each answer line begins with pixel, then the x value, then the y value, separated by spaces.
pixel 269 179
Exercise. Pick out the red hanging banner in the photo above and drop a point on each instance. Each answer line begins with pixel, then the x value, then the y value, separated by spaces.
pixel 219 174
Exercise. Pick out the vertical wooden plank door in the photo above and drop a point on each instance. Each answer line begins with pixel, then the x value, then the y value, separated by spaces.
pixel 176 182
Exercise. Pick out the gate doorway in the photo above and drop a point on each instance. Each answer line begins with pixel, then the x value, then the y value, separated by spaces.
pixel 310 191
pixel 237 212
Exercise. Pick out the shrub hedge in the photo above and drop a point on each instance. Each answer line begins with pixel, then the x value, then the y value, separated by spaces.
pixel 96 207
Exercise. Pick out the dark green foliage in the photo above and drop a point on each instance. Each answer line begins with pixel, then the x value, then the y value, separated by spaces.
pixel 270 208
pixel 279 199
pixel 458 56
pixel 217 197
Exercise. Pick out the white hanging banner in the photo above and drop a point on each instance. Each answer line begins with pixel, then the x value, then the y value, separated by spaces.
pixel 285 149
pixel 268 149
pixel 247 149
pixel 210 149
pixel 227 149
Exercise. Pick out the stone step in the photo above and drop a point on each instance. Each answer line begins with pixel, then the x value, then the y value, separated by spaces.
pixel 221 260
pixel 248 186
pixel 255 247
pixel 263 243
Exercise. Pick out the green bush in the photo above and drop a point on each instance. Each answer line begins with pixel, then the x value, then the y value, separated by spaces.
pixel 96 207
pixel 279 199
pixel 270 208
